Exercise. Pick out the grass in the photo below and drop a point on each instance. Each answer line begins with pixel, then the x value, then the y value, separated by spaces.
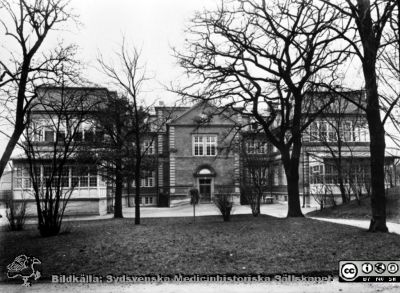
pixel 246 245
pixel 360 210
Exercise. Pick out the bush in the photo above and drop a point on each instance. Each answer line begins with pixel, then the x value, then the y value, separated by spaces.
pixel 224 204
pixel 252 197
pixel 15 214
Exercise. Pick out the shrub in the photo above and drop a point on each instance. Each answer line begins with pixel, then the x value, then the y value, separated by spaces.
pixel 252 197
pixel 224 205
pixel 194 200
pixel 15 214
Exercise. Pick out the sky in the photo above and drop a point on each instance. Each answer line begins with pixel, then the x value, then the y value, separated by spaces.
pixel 153 26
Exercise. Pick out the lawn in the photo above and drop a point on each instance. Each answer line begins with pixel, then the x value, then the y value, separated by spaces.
pixel 360 210
pixel 246 245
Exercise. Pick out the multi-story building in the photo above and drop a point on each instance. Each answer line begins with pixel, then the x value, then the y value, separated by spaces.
pixel 61 125
pixel 197 147
pixel 335 154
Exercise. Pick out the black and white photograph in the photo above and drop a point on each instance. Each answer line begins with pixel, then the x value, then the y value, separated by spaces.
pixel 200 145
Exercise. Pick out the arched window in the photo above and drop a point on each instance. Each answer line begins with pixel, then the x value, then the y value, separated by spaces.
pixel 204 171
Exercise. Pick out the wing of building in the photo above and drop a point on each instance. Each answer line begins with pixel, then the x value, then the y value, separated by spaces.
pixel 202 147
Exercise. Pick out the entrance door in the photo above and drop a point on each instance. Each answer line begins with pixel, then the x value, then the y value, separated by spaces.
pixel 205 189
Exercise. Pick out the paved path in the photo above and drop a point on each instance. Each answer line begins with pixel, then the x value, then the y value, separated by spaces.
pixel 278 209
pixel 393 227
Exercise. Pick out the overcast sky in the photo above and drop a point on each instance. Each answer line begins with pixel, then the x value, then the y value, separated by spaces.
pixel 152 25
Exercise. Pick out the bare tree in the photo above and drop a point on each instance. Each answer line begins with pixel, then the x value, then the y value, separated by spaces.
pixel 51 149
pixel 366 39
pixel 129 79
pixel 27 24
pixel 261 59
pixel 115 154
pixel 256 162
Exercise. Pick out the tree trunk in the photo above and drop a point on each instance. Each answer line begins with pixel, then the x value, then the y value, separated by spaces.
pixel 118 190
pixel 342 188
pixel 292 177
pixel 137 194
pixel 10 147
pixel 339 167
pixel 377 148
pixel 19 126
pixel 376 128
pixel 128 191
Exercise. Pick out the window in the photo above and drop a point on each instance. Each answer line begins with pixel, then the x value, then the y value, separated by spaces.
pixel 250 147
pixel 88 177
pixel 364 134
pixel 92 176
pixel 332 135
pixel 211 144
pixel 74 176
pixel 316 172
pixel 49 135
pixel 22 177
pixel 37 131
pixel 47 174
pixel 148 180
pixel 275 175
pixel 331 174
pixel 256 147
pixel 257 175
pixel 347 131
pixel 146 200
pixel 61 135
pixel 148 146
pixel 70 176
pixel 198 145
pixel 361 133
pixel 65 177
pixel 323 131
pixel 314 131
pixel 83 178
pixel 262 148
pixel 280 175
pixel 204 145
